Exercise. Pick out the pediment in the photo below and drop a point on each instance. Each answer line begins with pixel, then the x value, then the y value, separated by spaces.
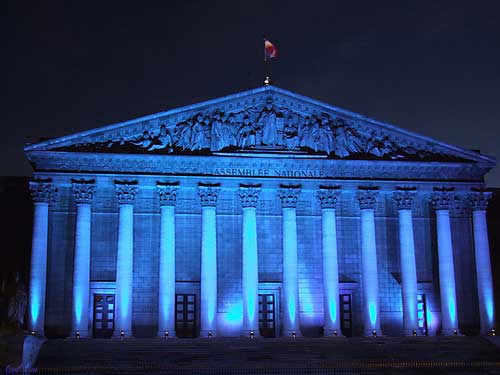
pixel 267 121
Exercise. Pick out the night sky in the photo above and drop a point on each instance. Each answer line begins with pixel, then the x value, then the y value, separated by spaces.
pixel 432 67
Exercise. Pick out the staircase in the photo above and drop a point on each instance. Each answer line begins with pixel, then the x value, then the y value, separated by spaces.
pixel 461 355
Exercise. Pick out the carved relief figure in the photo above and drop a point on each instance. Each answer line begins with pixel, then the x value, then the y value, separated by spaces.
pixel 182 133
pixel 290 132
pixel 217 134
pixel 197 134
pixel 379 145
pixel 267 121
pixel 163 141
pixel 144 141
pixel 347 140
pixel 246 134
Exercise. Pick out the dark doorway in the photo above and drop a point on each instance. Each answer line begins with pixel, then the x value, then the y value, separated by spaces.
pixel 104 315
pixel 185 315
pixel 346 314
pixel 422 314
pixel 267 317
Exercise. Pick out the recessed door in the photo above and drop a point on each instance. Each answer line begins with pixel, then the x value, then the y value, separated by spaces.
pixel 104 315
pixel 267 315
pixel 346 314
pixel 422 314
pixel 185 315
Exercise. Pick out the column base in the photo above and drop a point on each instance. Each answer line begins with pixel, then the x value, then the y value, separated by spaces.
pixel 83 335
pixel 161 334
pixel 409 332
pixel 288 333
pixel 117 335
pixel 204 333
pixel 369 332
pixel 332 333
pixel 246 333
pixel 450 332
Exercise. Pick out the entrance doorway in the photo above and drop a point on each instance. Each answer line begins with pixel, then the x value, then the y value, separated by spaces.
pixel 346 314
pixel 422 314
pixel 267 315
pixel 185 315
pixel 104 315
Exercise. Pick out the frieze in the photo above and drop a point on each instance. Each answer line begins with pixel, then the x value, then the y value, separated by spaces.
pixel 256 167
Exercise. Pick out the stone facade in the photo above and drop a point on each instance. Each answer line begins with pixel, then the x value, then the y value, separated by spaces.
pixel 151 164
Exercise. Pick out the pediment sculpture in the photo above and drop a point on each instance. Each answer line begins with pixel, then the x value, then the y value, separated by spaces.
pixel 266 128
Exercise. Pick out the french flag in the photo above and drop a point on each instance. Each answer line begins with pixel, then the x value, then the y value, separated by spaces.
pixel 270 50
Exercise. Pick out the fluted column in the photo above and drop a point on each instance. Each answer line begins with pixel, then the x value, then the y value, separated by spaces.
pixel 125 194
pixel 42 194
pixel 328 199
pixel 208 196
pixel 166 289
pixel 249 197
pixel 404 201
pixel 479 202
pixel 371 311
pixel 83 192
pixel 442 200
pixel 289 197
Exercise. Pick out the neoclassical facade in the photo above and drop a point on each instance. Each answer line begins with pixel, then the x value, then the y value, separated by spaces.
pixel 263 213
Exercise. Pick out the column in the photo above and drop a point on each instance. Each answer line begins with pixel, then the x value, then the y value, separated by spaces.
pixel 367 199
pixel 289 197
pixel 125 194
pixel 479 202
pixel 328 199
pixel 250 267
pixel 208 196
pixel 83 192
pixel 167 193
pixel 404 201
pixel 42 193
pixel 442 200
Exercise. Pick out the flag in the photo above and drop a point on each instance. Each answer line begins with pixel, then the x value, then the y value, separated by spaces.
pixel 270 50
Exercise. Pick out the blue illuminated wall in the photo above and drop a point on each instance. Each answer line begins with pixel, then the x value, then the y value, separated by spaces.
pixel 269 239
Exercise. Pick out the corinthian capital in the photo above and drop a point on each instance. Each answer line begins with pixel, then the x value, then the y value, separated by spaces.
pixel 289 196
pixel 126 191
pixel 249 196
pixel 167 193
pixel 404 199
pixel 367 198
pixel 478 200
pixel 42 191
pixel 208 194
pixel 443 198
pixel 83 191
pixel 328 197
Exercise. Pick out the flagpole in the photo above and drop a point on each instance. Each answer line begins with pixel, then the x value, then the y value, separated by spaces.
pixel 267 79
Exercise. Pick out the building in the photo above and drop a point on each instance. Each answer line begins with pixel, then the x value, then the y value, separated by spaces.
pixel 260 213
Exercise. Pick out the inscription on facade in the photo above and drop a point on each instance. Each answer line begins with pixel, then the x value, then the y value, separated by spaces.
pixel 269 172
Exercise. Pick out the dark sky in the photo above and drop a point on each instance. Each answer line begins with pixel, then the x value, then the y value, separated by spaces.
pixel 431 67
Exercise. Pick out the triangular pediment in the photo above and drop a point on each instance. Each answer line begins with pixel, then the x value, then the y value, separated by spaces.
pixel 262 122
